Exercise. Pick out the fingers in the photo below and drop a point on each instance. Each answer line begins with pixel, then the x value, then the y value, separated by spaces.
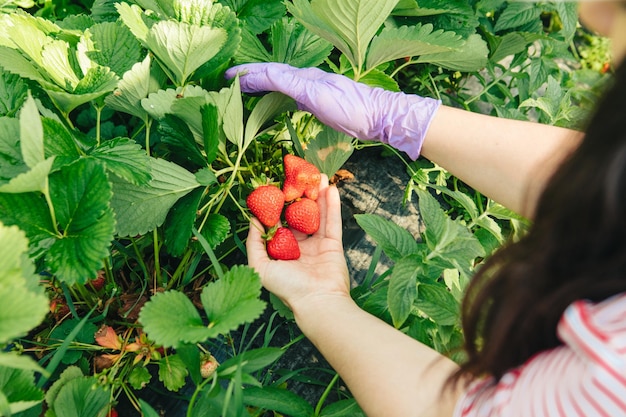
pixel 255 244
pixel 330 210
pixel 262 77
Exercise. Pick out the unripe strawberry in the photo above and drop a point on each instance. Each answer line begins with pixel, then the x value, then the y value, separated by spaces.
pixel 283 245
pixel 266 203
pixel 303 215
pixel 208 366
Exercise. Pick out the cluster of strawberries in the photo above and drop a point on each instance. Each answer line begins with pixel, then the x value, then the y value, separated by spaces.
pixel 296 199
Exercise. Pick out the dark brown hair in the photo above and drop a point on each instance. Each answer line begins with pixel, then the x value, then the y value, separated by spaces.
pixel 575 249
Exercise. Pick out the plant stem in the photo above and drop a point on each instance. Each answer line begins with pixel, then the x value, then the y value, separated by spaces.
pixel 320 403
pixel 209 251
pixel 98 121
pixel 157 262
pixel 148 124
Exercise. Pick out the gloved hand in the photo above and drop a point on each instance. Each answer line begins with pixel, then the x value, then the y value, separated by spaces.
pixel 398 119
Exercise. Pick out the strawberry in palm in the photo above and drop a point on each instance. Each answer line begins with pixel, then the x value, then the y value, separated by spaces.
pixel 266 204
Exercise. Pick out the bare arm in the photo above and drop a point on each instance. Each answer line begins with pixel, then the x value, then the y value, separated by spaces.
pixel 509 161
pixel 389 373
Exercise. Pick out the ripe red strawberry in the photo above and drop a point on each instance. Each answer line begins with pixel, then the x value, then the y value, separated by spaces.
pixel 292 164
pixel 112 413
pixel 301 178
pixel 283 245
pixel 266 203
pixel 303 215
pixel 292 189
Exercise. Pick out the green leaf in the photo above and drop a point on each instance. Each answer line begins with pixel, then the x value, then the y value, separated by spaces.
pixel 257 15
pixel 438 303
pixel 251 49
pixel 170 318
pixel 81 397
pixel 350 25
pixel 568 13
pixel 80 194
pixel 250 361
pixel 125 158
pixel 206 177
pixel 30 213
pixel 147 410
pixel 211 132
pixel 450 243
pixel 11 161
pixel 403 288
pixel 294 44
pixel 378 78
pixel 232 300
pixel 138 82
pixel 17 361
pixel 58 141
pixel 230 108
pixel 183 48
pixel 277 399
pixel 135 19
pixel 460 197
pixel 216 229
pixel 549 102
pixel 14 62
pixel 98 82
pixel 176 134
pixel 172 372
pixel 395 241
pixel 347 407
pixel 291 43
pixel 114 46
pixel 18 388
pixel 31 133
pixel 472 56
pixel 36 179
pixel 141 208
pixel 179 222
pixel 21 309
pixel 269 106
pixel 13 92
pixel 64 331
pixel 222 18
pixel 408 41
pixel 517 14
pixel 139 377
pixel 506 45
pixel 329 150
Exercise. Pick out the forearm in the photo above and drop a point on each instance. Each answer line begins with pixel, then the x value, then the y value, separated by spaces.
pixel 507 160
pixel 389 373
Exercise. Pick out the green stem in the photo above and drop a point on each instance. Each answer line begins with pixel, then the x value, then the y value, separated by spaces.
pixel 98 120
pixel 53 217
pixel 198 390
pixel 320 403
pixel 148 124
pixel 209 251
pixel 139 260
pixel 157 261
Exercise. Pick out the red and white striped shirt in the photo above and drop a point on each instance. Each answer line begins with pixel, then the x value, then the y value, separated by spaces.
pixel 586 376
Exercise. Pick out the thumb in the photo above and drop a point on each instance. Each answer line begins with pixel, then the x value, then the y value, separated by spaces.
pixel 255 244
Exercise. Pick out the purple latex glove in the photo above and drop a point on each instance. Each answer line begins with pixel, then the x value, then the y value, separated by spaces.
pixel 368 113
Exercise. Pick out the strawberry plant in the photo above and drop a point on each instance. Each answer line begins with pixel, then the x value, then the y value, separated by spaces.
pixel 128 168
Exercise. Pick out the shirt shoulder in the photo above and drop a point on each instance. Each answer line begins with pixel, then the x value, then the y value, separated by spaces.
pixel 586 376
